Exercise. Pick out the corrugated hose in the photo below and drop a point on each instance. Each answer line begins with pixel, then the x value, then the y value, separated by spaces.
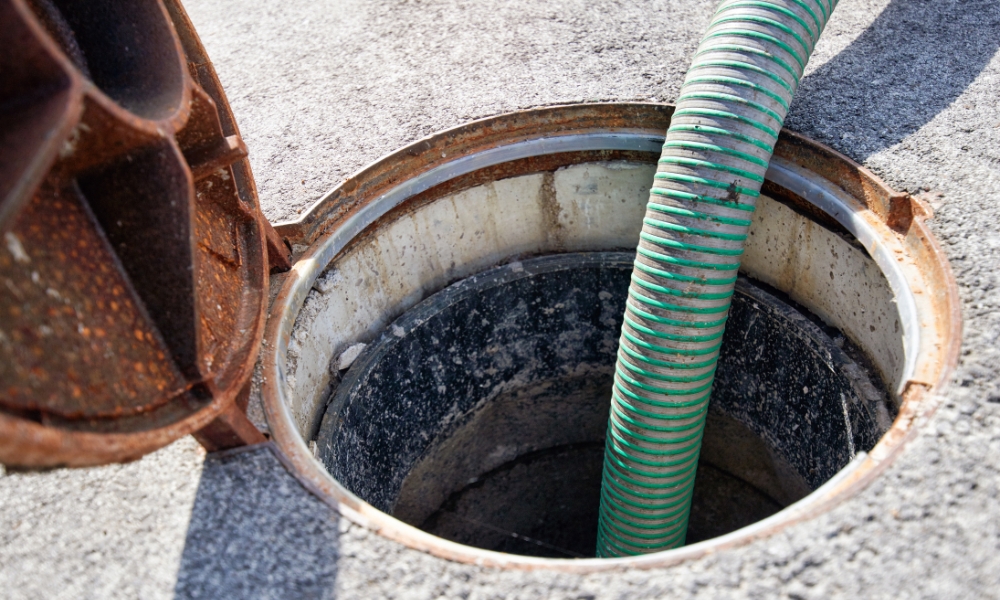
pixel 721 137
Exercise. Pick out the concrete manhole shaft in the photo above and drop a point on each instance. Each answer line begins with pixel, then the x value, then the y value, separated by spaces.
pixel 480 414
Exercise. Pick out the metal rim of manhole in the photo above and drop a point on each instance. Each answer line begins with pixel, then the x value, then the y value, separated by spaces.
pixel 823 183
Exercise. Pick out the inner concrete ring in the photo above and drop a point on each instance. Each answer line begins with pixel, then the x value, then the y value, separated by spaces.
pixel 815 181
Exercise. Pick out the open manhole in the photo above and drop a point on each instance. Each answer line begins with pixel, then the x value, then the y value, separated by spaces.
pixel 485 271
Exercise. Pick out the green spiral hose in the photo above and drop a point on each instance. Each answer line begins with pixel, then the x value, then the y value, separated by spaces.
pixel 731 108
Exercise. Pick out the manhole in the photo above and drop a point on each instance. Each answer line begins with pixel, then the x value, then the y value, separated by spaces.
pixel 845 288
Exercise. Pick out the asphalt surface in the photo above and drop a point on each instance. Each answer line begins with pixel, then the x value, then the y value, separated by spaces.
pixel 908 87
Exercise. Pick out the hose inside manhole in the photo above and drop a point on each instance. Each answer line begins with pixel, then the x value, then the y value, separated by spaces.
pixel 732 105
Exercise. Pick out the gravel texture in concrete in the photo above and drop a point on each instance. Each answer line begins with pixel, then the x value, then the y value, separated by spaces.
pixel 908 87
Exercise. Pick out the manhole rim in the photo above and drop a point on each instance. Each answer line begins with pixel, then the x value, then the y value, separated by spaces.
pixel 868 218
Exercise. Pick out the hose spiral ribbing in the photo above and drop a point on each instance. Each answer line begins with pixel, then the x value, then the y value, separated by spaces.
pixel 732 106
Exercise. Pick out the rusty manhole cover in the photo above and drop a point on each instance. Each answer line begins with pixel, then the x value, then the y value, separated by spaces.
pixel 135 260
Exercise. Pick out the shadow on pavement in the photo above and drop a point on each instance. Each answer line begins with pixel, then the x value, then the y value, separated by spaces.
pixel 256 533
pixel 911 64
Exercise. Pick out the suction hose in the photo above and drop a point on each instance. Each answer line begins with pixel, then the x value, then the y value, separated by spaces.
pixel 731 108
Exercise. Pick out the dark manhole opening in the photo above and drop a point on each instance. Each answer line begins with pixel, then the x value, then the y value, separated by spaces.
pixel 480 414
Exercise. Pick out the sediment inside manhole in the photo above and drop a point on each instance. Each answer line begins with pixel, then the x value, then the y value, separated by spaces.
pixel 480 414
